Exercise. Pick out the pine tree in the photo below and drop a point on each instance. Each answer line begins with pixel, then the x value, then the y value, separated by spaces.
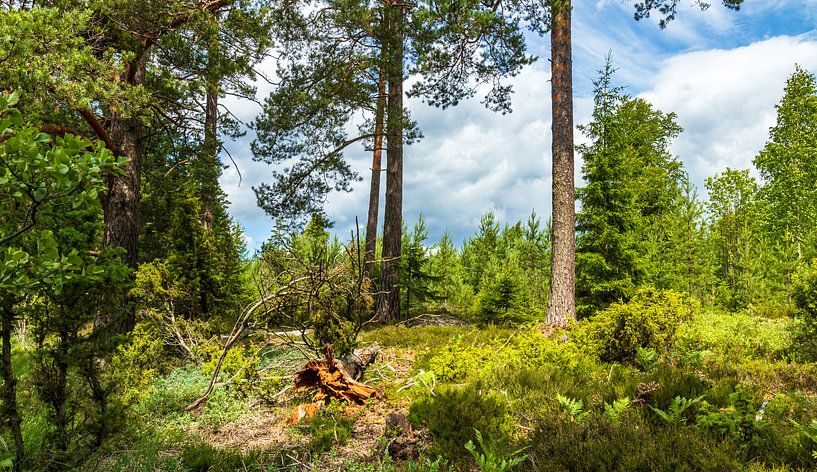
pixel 480 252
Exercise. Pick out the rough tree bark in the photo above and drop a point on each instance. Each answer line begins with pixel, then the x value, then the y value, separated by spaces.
pixel 374 190
pixel 120 206
pixel 10 410
pixel 389 303
pixel 562 300
pixel 211 169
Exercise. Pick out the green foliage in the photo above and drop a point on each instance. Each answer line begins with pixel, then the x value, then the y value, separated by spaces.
pixel 416 280
pixel 191 265
pixel 646 358
pixel 734 335
pixel 630 444
pixel 171 394
pixel 418 337
pixel 507 270
pixel 453 412
pixel 616 409
pixel 805 298
pixel 809 435
pixel 742 424
pixel 788 165
pixel 649 320
pixel 315 284
pixel 55 278
pixel 481 355
pixel 573 408
pixel 736 214
pixel 201 457
pixel 137 362
pixel 490 459
pixel 36 177
pixel 498 299
pixel 330 427
pixel 674 415
pixel 425 464
pixel 633 183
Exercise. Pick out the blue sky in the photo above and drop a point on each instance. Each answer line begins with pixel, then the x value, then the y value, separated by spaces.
pixel 720 71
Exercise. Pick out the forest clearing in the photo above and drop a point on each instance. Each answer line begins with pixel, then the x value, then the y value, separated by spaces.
pixel 635 288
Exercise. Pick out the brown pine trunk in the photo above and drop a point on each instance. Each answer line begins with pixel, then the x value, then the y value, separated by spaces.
pixel 210 169
pixel 562 301
pixel 211 149
pixel 374 190
pixel 10 410
pixel 389 305
pixel 121 204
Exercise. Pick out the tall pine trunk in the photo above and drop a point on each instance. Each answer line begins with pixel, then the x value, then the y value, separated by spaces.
pixel 562 300
pixel 121 203
pixel 374 190
pixel 389 305
pixel 210 169
pixel 10 409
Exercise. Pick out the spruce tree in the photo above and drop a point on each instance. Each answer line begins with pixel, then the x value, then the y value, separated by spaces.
pixel 633 182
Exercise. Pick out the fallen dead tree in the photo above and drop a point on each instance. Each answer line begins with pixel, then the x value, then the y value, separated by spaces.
pixel 306 300
pixel 332 379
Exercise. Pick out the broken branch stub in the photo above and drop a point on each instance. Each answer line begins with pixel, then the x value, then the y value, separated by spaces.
pixel 331 380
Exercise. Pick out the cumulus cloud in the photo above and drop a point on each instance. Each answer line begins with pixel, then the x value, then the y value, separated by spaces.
pixel 722 72
pixel 725 99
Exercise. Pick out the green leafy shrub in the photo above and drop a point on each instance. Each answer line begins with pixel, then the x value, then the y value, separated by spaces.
pixel 673 382
pixel 614 410
pixel 805 299
pixel 136 363
pixel 649 320
pixel 491 459
pixel 674 415
pixel 734 336
pixel 482 355
pixel 573 408
pixel 754 433
pixel 809 436
pixel 647 359
pixel 454 413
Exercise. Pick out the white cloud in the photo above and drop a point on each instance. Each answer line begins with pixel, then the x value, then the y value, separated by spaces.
pixel 725 99
pixel 722 72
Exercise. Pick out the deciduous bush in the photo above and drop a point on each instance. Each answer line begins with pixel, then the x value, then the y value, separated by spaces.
pixel 805 298
pixel 649 320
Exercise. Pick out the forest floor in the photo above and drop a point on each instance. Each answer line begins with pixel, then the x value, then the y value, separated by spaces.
pixel 267 428
pixel 725 393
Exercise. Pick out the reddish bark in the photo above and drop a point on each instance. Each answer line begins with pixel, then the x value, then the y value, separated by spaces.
pixel 562 300
pixel 374 190
pixel 389 303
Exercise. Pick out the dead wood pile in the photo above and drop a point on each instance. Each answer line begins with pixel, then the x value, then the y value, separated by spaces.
pixel 337 378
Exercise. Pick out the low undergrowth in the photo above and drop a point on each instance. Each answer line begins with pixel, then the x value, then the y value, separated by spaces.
pixel 672 388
